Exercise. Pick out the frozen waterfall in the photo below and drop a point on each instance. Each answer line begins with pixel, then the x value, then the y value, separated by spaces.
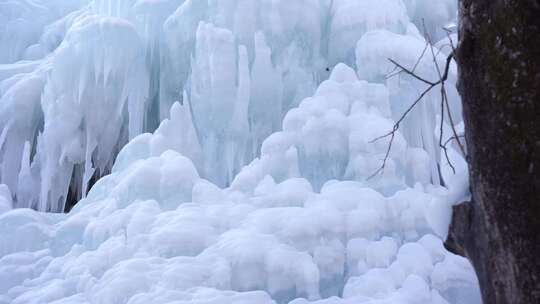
pixel 221 151
pixel 102 72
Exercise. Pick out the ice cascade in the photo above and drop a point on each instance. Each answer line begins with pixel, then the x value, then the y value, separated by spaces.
pixel 222 151
pixel 88 76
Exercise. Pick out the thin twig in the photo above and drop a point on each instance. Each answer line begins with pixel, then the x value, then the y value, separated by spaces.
pixel 421 57
pixel 383 166
pixel 403 69
pixel 396 66
pixel 409 109
pixel 450 40
pixel 454 131
pixel 393 72
pixel 441 130
pixel 443 77
pixel 453 138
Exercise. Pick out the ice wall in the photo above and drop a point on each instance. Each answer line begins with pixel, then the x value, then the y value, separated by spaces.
pixel 104 71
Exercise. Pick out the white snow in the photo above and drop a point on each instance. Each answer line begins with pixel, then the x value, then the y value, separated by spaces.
pixel 138 235
pixel 239 138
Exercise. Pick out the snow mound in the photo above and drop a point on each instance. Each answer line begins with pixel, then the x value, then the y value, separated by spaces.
pixel 154 230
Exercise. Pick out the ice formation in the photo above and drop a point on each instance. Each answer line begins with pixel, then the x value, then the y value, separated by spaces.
pixel 6 202
pixel 240 65
pixel 238 135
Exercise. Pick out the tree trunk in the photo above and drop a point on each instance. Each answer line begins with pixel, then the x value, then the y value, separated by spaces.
pixel 499 69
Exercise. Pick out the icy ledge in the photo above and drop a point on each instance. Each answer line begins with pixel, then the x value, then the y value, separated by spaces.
pixel 154 231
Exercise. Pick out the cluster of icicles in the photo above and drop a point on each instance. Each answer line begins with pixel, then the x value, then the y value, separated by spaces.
pixel 80 80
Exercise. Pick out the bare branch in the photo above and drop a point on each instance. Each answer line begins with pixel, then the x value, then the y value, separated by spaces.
pixel 441 130
pixel 443 77
pixel 410 72
pixel 445 107
pixel 404 115
pixel 450 40
pixel 449 140
pixel 393 72
pixel 452 125
pixel 454 131
pixel 420 58
pixel 404 69
pixel 381 169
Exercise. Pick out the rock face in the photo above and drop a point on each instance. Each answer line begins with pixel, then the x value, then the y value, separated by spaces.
pixel 499 62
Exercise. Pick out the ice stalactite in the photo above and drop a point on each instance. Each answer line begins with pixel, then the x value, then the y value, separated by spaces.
pixel 97 81
pixel 20 122
pixel 180 30
pixel 6 202
pixel 213 96
pixel 265 106
pixel 149 20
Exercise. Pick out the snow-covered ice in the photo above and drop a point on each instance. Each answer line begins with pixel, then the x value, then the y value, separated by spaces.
pixel 221 151
pixel 155 231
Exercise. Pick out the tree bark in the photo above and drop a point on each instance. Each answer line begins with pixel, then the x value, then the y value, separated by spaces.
pixel 499 69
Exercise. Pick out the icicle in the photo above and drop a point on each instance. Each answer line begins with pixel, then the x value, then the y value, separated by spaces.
pixel 240 124
pixel 88 166
pixel 26 185
pixel 4 133
pixel 266 94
